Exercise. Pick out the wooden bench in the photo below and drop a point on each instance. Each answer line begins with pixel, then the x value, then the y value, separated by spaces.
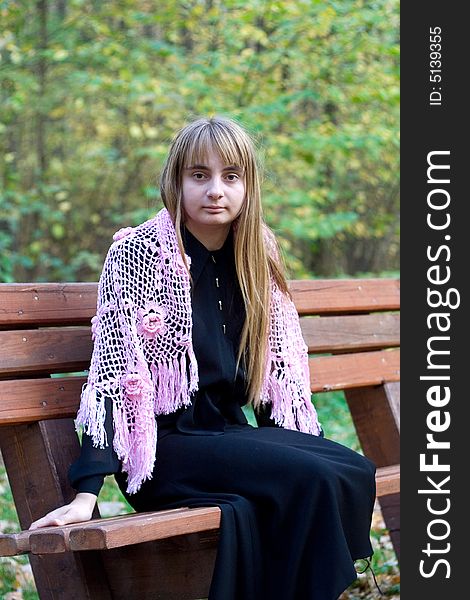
pixel 352 330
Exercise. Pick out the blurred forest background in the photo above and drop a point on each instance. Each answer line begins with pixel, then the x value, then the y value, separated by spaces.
pixel 92 91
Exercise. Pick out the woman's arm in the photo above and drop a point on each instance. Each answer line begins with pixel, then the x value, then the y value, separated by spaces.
pixel 86 476
pixel 88 472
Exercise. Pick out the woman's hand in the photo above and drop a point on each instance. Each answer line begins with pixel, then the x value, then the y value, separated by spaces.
pixel 80 509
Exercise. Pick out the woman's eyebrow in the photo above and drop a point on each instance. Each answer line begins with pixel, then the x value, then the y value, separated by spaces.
pixel 206 168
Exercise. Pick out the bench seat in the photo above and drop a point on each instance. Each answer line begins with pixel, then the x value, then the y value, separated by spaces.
pixel 125 530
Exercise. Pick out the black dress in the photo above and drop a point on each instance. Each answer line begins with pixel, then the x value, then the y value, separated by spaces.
pixel 296 508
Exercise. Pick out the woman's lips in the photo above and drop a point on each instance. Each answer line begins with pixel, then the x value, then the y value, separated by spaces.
pixel 214 209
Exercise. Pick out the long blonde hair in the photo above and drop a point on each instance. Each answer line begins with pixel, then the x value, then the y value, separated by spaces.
pixel 255 265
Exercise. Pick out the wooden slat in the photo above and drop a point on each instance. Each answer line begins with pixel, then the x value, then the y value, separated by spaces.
pixel 124 531
pixel 155 527
pixel 12 544
pixel 53 540
pixel 50 350
pixel 23 304
pixel 348 371
pixel 323 296
pixel 348 333
pixel 29 400
pixel 60 349
pixel 388 480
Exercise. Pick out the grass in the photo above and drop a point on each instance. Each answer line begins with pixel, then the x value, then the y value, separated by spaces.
pixel 16 581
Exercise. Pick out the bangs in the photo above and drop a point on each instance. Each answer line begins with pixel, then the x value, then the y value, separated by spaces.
pixel 231 148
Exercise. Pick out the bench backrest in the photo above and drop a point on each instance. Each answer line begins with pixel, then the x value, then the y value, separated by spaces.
pixel 45 330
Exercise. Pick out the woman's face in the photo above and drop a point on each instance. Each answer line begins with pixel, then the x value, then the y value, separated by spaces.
pixel 213 195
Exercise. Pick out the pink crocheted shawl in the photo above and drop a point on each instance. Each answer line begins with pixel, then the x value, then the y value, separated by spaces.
pixel 143 356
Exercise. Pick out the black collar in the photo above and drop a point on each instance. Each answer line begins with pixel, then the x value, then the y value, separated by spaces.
pixel 200 254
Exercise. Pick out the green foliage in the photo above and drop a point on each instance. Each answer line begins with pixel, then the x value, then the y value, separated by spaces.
pixel 91 94
pixel 335 419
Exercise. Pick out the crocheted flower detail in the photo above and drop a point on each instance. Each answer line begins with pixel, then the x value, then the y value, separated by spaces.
pixel 134 385
pixel 122 233
pixel 151 320
pixel 94 327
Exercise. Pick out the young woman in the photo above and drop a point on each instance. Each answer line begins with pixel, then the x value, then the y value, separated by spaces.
pixel 194 321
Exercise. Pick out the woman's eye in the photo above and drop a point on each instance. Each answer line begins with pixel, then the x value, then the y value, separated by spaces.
pixel 230 176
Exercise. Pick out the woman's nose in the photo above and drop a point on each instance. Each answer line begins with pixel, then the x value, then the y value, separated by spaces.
pixel 215 189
